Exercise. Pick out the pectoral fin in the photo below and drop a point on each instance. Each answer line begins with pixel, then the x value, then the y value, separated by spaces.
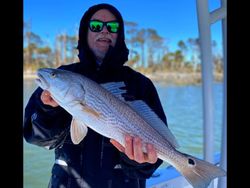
pixel 89 110
pixel 78 131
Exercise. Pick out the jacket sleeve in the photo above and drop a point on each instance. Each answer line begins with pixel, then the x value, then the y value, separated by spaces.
pixel 145 170
pixel 44 125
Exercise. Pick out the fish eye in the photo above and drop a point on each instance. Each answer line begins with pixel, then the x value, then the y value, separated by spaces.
pixel 53 75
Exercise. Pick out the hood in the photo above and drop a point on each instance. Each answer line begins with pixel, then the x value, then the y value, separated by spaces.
pixel 117 55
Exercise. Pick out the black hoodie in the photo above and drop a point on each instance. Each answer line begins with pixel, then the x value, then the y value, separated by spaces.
pixel 95 162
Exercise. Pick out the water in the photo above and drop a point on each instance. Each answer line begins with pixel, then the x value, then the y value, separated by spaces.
pixel 183 107
pixel 184 111
pixel 37 161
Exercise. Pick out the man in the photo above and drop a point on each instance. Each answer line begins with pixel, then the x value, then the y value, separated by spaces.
pixel 97 161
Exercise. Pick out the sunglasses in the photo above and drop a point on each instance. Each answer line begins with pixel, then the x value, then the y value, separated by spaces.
pixel 97 26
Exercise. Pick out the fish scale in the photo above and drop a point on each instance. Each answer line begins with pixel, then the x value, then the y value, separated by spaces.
pixel 102 108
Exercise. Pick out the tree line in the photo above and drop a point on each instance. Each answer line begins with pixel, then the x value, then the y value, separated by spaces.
pixel 148 51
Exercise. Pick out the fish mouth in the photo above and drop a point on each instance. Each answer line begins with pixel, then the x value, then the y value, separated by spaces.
pixel 41 81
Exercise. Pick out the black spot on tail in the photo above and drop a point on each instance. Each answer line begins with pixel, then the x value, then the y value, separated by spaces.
pixel 191 161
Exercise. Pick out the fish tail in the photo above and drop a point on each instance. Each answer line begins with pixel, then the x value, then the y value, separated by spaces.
pixel 199 173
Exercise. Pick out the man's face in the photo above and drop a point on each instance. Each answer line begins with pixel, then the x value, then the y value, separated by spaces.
pixel 99 41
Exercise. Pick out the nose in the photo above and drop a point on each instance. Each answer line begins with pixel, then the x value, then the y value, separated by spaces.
pixel 105 30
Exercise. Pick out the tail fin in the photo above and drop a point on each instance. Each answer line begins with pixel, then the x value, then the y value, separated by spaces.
pixel 198 172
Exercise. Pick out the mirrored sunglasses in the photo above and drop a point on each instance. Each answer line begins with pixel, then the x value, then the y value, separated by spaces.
pixel 97 26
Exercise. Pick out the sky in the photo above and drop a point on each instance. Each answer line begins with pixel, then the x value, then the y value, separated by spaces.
pixel 174 20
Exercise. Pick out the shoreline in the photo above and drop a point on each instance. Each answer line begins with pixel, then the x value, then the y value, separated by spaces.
pixel 27 76
pixel 181 78
pixel 162 77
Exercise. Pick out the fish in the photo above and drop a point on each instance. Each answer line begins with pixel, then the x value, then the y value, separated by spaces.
pixel 102 108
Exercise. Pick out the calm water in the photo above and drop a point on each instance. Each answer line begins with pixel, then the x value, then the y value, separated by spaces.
pixel 183 107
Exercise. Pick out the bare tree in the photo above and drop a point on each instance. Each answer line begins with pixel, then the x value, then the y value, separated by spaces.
pixel 154 43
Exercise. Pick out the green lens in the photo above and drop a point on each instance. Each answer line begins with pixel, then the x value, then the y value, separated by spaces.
pixel 113 27
pixel 95 26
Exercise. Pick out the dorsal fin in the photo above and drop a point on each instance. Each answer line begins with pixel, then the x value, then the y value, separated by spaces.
pixel 152 119
pixel 116 88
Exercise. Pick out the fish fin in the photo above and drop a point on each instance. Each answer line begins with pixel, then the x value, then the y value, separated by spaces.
pixel 78 131
pixel 89 110
pixel 116 88
pixel 198 172
pixel 151 117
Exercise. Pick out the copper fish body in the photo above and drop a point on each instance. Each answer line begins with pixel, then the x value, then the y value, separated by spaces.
pixel 102 108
